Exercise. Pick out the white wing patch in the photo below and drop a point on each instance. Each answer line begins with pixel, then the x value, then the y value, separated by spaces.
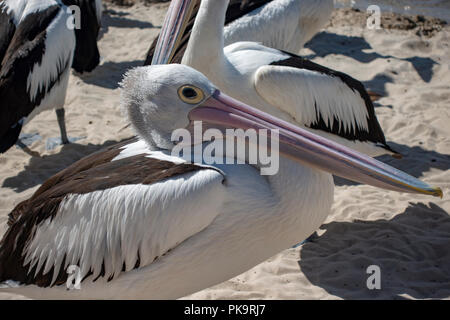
pixel 118 226
pixel 299 91
pixel 141 147
pixel 14 8
pixel 19 9
pixel 59 50
pixel 247 56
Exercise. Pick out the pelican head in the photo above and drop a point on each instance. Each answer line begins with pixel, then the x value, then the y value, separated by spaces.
pixel 157 100
pixel 162 98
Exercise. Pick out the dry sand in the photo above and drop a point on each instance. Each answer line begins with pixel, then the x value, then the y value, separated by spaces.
pixel 407 236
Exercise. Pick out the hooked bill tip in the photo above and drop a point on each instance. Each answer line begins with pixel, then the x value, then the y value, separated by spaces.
pixel 438 193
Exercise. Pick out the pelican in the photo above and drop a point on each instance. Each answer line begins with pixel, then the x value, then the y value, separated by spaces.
pixel 327 102
pixel 39 43
pixel 138 221
pixel 282 24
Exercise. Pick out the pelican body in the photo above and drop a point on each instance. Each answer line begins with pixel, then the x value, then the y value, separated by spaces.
pixel 325 101
pixel 138 222
pixel 283 24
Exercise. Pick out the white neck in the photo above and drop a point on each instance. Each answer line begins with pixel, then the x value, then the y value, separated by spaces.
pixel 207 41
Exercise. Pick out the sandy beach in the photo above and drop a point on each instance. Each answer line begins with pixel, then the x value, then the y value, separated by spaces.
pixel 407 236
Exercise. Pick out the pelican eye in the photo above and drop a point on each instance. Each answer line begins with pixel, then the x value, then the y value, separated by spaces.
pixel 191 94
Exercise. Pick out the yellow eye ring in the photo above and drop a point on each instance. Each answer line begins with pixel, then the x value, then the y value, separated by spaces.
pixel 191 94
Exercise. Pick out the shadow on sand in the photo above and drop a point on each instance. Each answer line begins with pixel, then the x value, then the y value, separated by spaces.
pixel 416 161
pixel 119 19
pixel 411 251
pixel 326 43
pixel 109 74
pixel 39 169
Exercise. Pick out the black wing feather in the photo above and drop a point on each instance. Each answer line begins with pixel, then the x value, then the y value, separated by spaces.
pixel 7 29
pixel 87 55
pixel 375 133
pixel 92 173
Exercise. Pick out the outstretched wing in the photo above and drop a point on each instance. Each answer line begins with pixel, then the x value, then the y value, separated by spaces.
pixel 108 214
pixel 236 10
pixel 320 98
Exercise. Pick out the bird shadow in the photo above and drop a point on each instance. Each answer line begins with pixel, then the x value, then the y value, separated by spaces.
pixel 40 168
pixel 325 43
pixel 416 161
pixel 423 66
pixel 378 85
pixel 109 74
pixel 411 251
pixel 119 19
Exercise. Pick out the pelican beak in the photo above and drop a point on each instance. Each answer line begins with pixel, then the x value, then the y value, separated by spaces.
pixel 221 111
pixel 172 31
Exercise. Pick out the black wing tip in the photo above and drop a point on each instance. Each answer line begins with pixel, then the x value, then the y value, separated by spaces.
pixel 86 65
pixel 394 154
pixel 397 156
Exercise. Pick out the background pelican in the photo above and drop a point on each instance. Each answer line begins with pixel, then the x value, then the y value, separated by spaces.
pixel 328 102
pixel 146 224
pixel 282 24
pixel 37 50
